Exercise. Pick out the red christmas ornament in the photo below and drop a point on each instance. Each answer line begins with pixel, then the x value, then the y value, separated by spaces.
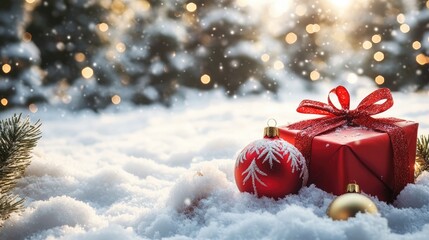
pixel 270 167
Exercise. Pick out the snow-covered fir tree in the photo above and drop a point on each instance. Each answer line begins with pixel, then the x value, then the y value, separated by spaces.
pixel 305 37
pixel 224 42
pixel 393 40
pixel 154 61
pixel 69 32
pixel 20 77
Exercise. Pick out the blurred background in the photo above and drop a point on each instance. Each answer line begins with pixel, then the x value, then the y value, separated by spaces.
pixel 81 54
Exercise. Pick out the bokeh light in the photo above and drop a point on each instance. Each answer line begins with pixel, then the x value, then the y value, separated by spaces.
pixel 278 65
pixel 265 57
pixel 314 75
pixel 145 5
pixel 6 68
pixel 300 10
pixel 103 27
pixel 379 79
pixel 291 38
pixel 400 18
pixel 379 56
pixel 352 78
pixel 376 38
pixel 404 28
pixel 33 108
pixel 205 79
pixel 312 28
pixel 422 59
pixel 4 102
pixel 416 45
pixel 367 45
pixel 191 7
pixel 27 36
pixel 87 72
pixel 116 99
pixel 79 57
pixel 120 47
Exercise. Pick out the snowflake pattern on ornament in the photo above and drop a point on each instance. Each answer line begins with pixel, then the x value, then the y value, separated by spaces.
pixel 271 151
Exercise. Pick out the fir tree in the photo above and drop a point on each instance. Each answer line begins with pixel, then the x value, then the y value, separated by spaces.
pixel 306 37
pixel 224 42
pixel 20 77
pixel 391 39
pixel 150 65
pixel 422 155
pixel 17 138
pixel 68 32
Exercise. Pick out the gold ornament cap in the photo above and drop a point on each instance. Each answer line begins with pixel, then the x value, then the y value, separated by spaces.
pixel 350 203
pixel 353 188
pixel 271 131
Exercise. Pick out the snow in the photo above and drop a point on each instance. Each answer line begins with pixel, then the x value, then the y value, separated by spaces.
pixel 154 172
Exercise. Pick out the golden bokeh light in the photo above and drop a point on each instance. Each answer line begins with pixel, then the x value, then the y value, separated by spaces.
pixel 118 6
pixel 309 28
pixel 120 47
pixel 27 36
pixel 191 7
pixel 4 102
pixel 145 5
pixel 291 38
pixel 404 28
pixel 427 4
pixel 314 75
pixel 116 99
pixel 316 27
pixel 376 38
pixel 205 79
pixel 400 18
pixel 79 57
pixel 352 78
pixel 103 27
pixel 422 59
pixel 301 10
pixel 30 1
pixel 6 68
pixel 417 45
pixel 33 108
pixel 379 79
pixel 379 56
pixel 87 72
pixel 367 45
pixel 312 28
pixel 265 57
pixel 278 65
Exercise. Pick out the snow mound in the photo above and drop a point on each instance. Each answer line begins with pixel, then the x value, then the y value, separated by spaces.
pixel 152 173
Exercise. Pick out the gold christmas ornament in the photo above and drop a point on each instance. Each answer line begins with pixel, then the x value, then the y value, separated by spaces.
pixel 350 203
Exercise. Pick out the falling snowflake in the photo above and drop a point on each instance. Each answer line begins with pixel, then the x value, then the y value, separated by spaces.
pixel 271 151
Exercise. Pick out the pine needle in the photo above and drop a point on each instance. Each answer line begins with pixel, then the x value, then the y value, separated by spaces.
pixel 17 138
pixel 422 155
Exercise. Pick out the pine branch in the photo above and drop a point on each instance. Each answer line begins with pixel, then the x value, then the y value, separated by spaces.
pixel 17 138
pixel 422 155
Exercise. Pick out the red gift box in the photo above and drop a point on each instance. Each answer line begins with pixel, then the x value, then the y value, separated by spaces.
pixel 349 146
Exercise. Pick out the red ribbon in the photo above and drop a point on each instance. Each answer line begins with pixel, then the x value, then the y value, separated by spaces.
pixel 378 101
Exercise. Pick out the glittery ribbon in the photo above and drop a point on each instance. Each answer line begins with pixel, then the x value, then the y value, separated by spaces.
pixel 376 102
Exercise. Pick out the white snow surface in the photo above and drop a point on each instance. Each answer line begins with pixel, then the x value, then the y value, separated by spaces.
pixel 154 172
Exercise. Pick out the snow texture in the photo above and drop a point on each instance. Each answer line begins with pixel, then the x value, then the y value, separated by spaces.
pixel 152 173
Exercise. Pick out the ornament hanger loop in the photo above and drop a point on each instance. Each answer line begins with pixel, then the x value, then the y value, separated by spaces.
pixel 272 120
